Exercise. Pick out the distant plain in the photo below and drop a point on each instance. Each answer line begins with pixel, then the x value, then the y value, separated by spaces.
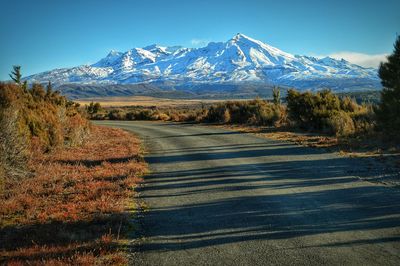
pixel 145 101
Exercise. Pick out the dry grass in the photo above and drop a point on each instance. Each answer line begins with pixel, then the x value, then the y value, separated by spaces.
pixel 74 208
pixel 145 101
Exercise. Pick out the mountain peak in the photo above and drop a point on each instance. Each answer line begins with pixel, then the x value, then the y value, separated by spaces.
pixel 241 36
pixel 152 47
pixel 109 60
pixel 158 49
pixel 275 55
pixel 113 53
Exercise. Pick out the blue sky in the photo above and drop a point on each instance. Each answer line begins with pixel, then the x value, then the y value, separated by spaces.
pixel 44 34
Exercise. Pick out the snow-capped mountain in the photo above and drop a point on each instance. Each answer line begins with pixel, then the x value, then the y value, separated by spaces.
pixel 239 60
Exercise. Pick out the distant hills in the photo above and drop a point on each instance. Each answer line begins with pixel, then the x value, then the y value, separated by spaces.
pixel 239 64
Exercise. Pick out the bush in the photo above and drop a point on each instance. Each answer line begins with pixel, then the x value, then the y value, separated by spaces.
pixel 93 108
pixel 140 115
pixel 215 114
pixel 163 117
pixel 326 112
pixel 340 124
pixel 145 115
pixel 365 120
pixel 116 114
pixel 76 130
pixel 13 148
pixel 310 111
pixel 35 120
pixel 99 116
pixel 254 112
pixel 177 116
pixel 226 116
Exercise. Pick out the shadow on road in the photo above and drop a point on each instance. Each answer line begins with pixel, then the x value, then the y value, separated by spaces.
pixel 202 134
pixel 324 201
pixel 226 152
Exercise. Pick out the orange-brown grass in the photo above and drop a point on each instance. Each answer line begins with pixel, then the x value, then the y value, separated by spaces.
pixel 74 209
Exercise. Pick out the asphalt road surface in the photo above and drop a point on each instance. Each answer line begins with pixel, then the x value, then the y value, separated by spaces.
pixel 218 197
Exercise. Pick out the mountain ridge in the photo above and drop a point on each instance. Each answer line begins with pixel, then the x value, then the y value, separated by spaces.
pixel 239 60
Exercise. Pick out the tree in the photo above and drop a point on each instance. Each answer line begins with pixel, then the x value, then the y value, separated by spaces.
pixel 388 112
pixel 276 94
pixel 16 74
pixel 49 90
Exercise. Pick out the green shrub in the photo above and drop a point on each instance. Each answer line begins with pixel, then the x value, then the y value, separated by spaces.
pixel 216 114
pixel 365 120
pixel 116 114
pixel 311 111
pixel 92 109
pixel 349 105
pixel 99 116
pixel 340 124
pixel 130 116
pixel 143 114
pixel 254 112
pixel 326 112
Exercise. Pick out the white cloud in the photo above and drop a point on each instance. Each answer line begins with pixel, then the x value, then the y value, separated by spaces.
pixel 199 42
pixel 365 60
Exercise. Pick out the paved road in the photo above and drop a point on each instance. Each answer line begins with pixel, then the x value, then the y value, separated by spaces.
pixel 219 197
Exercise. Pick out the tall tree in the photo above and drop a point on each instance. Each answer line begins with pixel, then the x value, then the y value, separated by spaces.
pixel 16 74
pixel 389 109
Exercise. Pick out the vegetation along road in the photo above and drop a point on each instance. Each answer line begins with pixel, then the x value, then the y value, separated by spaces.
pixel 218 197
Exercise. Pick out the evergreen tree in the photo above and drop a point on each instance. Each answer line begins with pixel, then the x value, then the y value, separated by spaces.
pixel 389 109
pixel 16 74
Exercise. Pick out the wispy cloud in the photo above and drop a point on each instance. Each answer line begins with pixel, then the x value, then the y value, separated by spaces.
pixel 365 60
pixel 199 42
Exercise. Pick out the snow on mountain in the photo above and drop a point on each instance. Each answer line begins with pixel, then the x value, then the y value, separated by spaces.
pixel 240 59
